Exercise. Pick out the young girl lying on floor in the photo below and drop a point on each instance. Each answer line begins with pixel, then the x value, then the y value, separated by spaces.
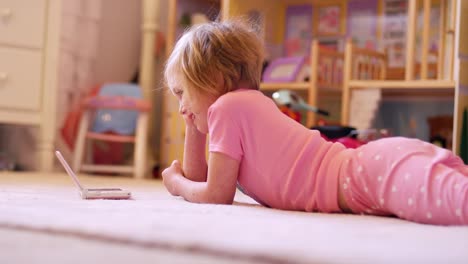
pixel 214 71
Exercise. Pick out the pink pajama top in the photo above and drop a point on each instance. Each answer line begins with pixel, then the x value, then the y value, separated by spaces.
pixel 283 164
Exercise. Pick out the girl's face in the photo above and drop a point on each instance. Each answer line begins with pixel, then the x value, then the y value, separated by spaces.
pixel 194 108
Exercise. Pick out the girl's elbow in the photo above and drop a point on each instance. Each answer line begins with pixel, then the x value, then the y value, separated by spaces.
pixel 196 177
pixel 226 201
pixel 220 199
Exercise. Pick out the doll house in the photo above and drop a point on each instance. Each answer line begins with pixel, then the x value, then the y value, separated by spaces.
pixel 355 50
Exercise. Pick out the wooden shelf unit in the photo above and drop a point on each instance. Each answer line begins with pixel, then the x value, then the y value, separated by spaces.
pixel 322 61
pixel 448 85
pixel 413 84
pixel 290 86
pixel 443 86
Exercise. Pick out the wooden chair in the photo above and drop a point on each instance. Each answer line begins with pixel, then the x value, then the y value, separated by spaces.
pixel 139 138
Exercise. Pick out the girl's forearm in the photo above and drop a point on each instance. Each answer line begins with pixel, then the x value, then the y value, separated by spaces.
pixel 194 165
pixel 198 192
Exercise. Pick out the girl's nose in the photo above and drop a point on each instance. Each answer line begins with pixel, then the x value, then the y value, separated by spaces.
pixel 182 110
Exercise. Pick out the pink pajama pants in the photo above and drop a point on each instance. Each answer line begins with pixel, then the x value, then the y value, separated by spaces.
pixel 408 178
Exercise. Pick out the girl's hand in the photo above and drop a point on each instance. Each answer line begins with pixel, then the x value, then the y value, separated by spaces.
pixel 188 118
pixel 187 115
pixel 220 187
pixel 170 175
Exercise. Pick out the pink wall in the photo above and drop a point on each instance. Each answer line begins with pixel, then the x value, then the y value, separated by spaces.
pixel 100 42
pixel 119 43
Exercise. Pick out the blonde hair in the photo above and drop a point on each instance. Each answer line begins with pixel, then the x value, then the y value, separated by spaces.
pixel 214 58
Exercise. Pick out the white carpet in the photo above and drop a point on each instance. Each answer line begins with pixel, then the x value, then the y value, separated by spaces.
pixel 153 219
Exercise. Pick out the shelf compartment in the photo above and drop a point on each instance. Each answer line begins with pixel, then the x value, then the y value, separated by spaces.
pixel 289 86
pixel 403 84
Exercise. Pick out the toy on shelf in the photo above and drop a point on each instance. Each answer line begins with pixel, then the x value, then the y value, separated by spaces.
pixel 349 136
pixel 287 69
pixel 364 105
pixel 295 102
pixel 298 35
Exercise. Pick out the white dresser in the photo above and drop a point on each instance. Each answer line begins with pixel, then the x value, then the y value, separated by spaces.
pixel 29 46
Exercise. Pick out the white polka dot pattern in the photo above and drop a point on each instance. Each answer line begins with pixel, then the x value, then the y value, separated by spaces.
pixel 410 201
pixel 414 187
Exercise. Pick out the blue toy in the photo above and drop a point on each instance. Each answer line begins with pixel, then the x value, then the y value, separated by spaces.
pixel 121 122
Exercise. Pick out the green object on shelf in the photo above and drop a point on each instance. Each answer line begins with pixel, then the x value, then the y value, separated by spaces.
pixel 464 137
pixel 185 20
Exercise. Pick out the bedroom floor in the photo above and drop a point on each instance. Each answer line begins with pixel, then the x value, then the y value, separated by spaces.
pixel 54 248
pixel 51 246
pixel 43 215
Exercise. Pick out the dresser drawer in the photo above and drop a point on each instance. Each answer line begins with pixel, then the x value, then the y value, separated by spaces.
pixel 22 22
pixel 20 78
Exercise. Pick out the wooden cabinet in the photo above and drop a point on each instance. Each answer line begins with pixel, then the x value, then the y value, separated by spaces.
pixel 29 37
pixel 23 23
pixel 17 90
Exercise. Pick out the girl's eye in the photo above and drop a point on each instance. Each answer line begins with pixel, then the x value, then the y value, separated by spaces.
pixel 178 93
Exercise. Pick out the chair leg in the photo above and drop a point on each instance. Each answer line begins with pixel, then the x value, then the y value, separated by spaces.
pixel 88 152
pixel 80 142
pixel 140 145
